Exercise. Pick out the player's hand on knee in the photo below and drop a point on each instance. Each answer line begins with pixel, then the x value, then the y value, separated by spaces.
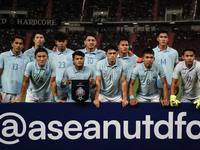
pixel 165 103
pixel 60 101
pixel 173 101
pixel 96 102
pixel 124 102
pixel 15 101
pixel 197 103
pixel 133 102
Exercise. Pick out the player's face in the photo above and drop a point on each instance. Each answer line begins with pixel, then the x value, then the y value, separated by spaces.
pixel 188 57
pixel 163 39
pixel 17 45
pixel 39 40
pixel 61 44
pixel 123 46
pixel 78 61
pixel 41 58
pixel 148 60
pixel 111 55
pixel 90 42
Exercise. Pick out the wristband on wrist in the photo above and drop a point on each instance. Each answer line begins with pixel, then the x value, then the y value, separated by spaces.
pixel 132 97
pixel 56 98
pixel 65 83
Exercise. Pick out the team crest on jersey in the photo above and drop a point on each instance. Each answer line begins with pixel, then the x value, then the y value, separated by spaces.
pixel 85 76
pixel 117 71
pixel 170 55
pixel 129 60
pixel 47 73
pixel 154 75
pixel 68 58
pixel 96 56
pixel 157 56
pixel 21 61
pixel 183 71
pixel 105 70
pixel 80 93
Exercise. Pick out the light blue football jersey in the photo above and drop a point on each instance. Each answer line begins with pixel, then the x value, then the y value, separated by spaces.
pixel 39 79
pixel 190 85
pixel 111 77
pixel 62 60
pixel 13 70
pixel 83 74
pixel 130 62
pixel 147 79
pixel 31 53
pixel 167 59
pixel 91 59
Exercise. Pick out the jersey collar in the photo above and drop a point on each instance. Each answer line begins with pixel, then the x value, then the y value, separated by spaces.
pixel 126 57
pixel 145 69
pixel 167 50
pixel 95 51
pixel 193 65
pixel 58 52
pixel 39 68
pixel 108 65
pixel 11 53
pixel 76 71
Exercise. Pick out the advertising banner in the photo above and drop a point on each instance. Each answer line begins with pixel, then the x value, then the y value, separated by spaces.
pixel 84 127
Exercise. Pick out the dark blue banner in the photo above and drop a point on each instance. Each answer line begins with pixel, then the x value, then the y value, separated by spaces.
pixel 71 126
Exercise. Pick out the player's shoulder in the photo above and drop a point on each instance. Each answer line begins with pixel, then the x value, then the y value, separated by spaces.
pixel 157 66
pixel 26 57
pixel 31 64
pixel 172 50
pixel 87 69
pixel 28 51
pixel 48 50
pixel 7 53
pixel 197 64
pixel 82 50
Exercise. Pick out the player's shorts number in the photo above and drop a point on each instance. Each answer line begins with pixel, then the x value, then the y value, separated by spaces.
pixel 61 64
pixel 90 60
pixel 15 66
pixel 163 61
pixel 148 81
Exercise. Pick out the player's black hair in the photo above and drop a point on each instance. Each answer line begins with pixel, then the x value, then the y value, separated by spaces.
pixel 147 51
pixel 18 37
pixel 163 31
pixel 78 53
pixel 60 36
pixel 111 46
pixel 189 49
pixel 40 50
pixel 90 35
pixel 38 32
pixel 121 39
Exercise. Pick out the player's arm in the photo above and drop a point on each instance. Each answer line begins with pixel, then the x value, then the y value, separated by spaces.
pixel 133 100
pixel 124 91
pixel 0 84
pixel 65 83
pixel 96 101
pixel 92 83
pixel 23 90
pixel 54 89
pixel 177 83
pixel 165 101
pixel 173 86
